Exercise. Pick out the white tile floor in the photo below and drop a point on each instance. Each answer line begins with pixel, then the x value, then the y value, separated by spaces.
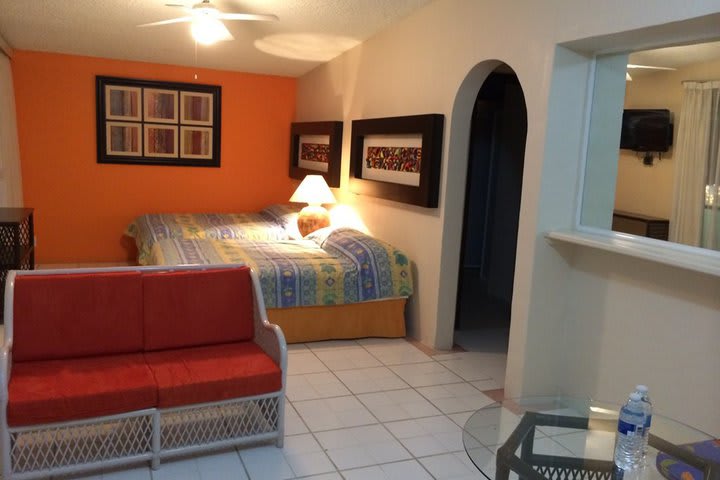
pixel 366 409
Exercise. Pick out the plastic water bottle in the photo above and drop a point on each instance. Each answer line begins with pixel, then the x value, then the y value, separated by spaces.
pixel 629 439
pixel 643 391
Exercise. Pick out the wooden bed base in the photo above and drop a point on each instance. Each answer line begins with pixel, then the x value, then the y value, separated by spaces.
pixel 382 318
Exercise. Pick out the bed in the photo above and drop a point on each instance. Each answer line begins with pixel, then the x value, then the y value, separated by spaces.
pixel 333 284
pixel 276 222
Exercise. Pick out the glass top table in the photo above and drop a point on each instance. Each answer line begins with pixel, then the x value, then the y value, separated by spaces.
pixel 560 438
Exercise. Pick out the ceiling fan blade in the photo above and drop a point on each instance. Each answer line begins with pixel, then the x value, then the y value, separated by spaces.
pixel 226 37
pixel 248 16
pixel 167 22
pixel 649 67
pixel 188 10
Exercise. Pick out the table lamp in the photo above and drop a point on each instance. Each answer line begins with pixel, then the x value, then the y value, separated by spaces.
pixel 314 191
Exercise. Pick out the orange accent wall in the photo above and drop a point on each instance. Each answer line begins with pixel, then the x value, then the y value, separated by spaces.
pixel 82 208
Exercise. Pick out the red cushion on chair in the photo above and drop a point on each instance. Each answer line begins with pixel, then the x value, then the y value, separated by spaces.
pixel 69 389
pixel 76 315
pixel 197 307
pixel 206 374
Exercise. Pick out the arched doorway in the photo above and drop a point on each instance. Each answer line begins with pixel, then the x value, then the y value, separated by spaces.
pixel 493 189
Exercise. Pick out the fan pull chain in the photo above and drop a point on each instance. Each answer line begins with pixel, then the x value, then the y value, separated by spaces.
pixel 196 75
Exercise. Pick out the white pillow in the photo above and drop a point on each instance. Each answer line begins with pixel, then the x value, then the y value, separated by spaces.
pixel 320 235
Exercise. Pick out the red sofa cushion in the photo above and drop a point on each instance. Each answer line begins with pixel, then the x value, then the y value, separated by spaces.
pixel 214 373
pixel 197 307
pixel 77 315
pixel 69 389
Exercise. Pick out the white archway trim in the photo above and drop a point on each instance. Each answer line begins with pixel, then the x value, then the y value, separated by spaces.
pixel 455 177
pixel 10 176
pixel 5 48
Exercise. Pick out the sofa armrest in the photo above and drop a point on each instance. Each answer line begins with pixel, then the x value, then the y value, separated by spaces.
pixel 267 335
pixel 7 345
pixel 5 363
pixel 5 445
pixel 5 359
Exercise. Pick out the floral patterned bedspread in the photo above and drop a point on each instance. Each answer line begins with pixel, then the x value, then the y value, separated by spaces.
pixel 345 266
pixel 269 224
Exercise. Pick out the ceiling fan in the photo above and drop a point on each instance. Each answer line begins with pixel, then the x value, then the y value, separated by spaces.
pixel 646 67
pixel 206 23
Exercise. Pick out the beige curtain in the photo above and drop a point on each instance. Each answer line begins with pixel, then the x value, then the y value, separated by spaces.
pixel 696 163
pixel 10 177
pixel 711 214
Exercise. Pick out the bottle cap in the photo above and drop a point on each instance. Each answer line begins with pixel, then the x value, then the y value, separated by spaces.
pixel 641 388
pixel 635 397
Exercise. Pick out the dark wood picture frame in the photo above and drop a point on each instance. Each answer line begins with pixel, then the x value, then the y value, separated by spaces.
pixel 331 129
pixel 430 128
pixel 149 122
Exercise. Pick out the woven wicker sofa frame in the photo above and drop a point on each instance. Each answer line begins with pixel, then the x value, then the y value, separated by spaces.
pixel 146 435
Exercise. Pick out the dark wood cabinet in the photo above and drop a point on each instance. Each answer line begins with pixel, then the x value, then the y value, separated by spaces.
pixel 638 224
pixel 17 245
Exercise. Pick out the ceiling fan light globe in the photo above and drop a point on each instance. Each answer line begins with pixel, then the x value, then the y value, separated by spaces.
pixel 208 30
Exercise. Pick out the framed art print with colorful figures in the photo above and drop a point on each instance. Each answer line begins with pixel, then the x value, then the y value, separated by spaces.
pixel 398 158
pixel 315 149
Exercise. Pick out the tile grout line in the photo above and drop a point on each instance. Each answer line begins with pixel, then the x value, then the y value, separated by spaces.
pixel 245 469
pixel 365 407
pixel 378 421
pixel 312 433
pixel 412 456
pixel 383 364
pixel 443 414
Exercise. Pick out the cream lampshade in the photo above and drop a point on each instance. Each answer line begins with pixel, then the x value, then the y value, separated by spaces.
pixel 314 191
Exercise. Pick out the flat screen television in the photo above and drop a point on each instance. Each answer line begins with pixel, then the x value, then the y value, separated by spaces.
pixel 646 130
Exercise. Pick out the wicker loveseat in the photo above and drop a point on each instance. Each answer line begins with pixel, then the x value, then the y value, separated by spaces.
pixel 104 367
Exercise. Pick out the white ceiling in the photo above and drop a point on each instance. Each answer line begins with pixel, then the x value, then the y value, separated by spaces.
pixel 313 30
pixel 676 57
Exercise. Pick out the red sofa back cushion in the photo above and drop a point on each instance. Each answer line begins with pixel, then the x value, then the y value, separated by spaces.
pixel 197 307
pixel 77 315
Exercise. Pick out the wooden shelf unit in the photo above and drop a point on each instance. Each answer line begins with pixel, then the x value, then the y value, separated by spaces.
pixel 17 245
pixel 639 224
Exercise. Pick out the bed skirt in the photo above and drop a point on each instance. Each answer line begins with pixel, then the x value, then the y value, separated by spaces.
pixel 381 318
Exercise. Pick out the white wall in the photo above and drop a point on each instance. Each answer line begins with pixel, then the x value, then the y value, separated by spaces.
pixel 434 62
pixel 631 321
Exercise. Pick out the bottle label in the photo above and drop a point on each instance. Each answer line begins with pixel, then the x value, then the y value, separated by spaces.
pixel 626 428
pixel 648 419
